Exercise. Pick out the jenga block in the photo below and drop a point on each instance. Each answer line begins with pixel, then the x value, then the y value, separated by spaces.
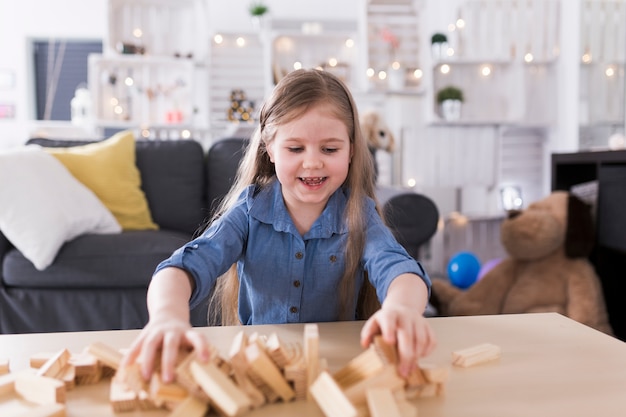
pixel 39 389
pixel 381 403
pixel 361 367
pixel 416 378
pixel 240 370
pixel 132 378
pixel 68 376
pixel 279 353
pixel 311 353
pixel 122 398
pixel 4 366
pixel 475 355
pixel 37 360
pixel 47 410
pixel 387 352
pixel 222 391
pixel 265 368
pixel 7 383
pixel 85 364
pixel 190 407
pixel 407 409
pixel 54 366
pixel 295 372
pixel 329 397
pixel 434 373
pixel 387 378
pixel 186 380
pixel 106 354
pixel 162 392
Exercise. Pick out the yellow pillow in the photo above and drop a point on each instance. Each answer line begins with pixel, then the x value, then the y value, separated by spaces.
pixel 108 168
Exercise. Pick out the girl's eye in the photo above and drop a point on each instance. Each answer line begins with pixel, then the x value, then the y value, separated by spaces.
pixel 329 150
pixel 295 149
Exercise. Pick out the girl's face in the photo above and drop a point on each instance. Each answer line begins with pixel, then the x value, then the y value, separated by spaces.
pixel 311 155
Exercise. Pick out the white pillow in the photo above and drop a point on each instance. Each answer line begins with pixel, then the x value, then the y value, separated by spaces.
pixel 42 205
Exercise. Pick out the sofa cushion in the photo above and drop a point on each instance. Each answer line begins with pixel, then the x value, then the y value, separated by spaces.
pixel 43 205
pixel 172 178
pixel 108 169
pixel 127 260
pixel 172 175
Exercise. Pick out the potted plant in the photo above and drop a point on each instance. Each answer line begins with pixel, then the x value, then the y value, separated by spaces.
pixel 439 45
pixel 450 99
pixel 257 10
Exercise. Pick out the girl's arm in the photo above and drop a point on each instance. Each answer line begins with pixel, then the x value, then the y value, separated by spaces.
pixel 168 328
pixel 401 321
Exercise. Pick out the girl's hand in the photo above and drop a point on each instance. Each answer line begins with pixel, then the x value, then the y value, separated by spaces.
pixel 402 323
pixel 165 336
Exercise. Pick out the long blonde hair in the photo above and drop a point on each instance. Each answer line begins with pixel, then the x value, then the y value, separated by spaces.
pixel 297 92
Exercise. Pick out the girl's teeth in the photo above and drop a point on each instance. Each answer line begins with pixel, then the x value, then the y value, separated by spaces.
pixel 313 181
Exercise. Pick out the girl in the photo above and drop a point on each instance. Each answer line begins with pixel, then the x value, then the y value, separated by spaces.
pixel 303 235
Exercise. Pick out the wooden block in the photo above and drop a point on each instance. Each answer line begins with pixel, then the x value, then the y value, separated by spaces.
pixel 387 378
pixel 132 378
pixel 295 372
pixel 475 355
pixel 360 367
pixel 416 378
pixel 54 366
pixel 382 403
pixel 7 383
pixel 434 373
pixel 85 364
pixel 4 366
pixel 222 391
pixel 240 372
pixel 267 370
pixel 122 398
pixel 190 407
pixel 277 350
pixel 330 398
pixel 68 376
pixel 186 380
pixel 106 354
pixel 161 392
pixel 37 360
pixel 39 389
pixel 311 353
pixel 387 352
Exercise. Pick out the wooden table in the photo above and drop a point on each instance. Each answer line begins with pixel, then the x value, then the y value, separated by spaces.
pixel 550 366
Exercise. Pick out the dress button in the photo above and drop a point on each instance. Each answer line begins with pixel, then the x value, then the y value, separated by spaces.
pixel 296 283
pixel 299 255
pixel 333 258
pixel 293 309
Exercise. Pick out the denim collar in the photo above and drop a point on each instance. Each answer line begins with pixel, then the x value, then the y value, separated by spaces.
pixel 267 205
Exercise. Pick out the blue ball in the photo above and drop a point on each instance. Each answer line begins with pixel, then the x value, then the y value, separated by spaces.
pixel 463 269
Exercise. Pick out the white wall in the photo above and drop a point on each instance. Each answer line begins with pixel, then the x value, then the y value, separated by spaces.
pixel 23 21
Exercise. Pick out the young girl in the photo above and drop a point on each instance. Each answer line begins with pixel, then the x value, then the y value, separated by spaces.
pixel 303 235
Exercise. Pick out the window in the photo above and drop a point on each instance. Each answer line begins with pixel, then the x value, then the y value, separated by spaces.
pixel 60 67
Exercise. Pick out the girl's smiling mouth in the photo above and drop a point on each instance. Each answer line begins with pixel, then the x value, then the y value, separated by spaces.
pixel 312 180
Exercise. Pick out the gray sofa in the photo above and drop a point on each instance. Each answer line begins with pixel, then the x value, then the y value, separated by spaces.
pixel 99 282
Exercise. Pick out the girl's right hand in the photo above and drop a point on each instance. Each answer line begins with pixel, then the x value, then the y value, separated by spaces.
pixel 165 336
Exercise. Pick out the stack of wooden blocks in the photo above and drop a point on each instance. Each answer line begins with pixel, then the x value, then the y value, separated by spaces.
pixel 257 370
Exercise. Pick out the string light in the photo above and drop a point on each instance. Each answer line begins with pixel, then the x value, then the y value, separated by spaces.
pixel 241 42
pixel 218 39
pixel 382 75
pixel 349 43
pixel 485 71
pixel 445 69
pixel 418 73
pixel 370 72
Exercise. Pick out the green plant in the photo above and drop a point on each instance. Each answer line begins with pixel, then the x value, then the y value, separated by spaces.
pixel 449 93
pixel 438 38
pixel 258 9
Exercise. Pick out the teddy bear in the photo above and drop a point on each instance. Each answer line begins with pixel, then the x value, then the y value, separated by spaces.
pixel 377 134
pixel 546 268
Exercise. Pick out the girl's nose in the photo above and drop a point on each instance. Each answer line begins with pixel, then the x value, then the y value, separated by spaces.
pixel 312 160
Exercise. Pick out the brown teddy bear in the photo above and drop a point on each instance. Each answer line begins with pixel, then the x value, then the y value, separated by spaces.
pixel 377 134
pixel 547 269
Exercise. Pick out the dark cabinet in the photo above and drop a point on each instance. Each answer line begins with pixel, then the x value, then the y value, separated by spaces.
pixel 608 168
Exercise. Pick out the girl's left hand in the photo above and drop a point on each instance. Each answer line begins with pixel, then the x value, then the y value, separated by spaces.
pixel 405 327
